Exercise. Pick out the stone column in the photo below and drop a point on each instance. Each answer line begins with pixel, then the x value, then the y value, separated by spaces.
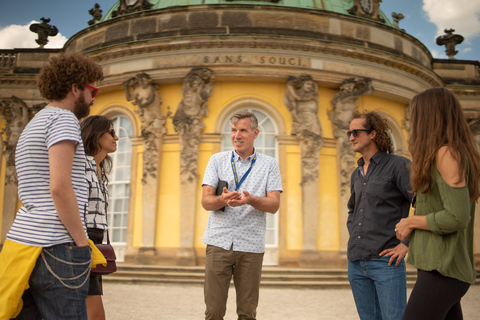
pixel 301 99
pixel 144 94
pixel 188 123
pixel 343 106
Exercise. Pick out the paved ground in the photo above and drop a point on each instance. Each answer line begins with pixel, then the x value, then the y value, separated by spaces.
pixel 185 302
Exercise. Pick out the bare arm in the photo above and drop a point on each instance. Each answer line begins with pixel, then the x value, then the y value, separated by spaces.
pixel 270 203
pixel 449 169
pixel 60 158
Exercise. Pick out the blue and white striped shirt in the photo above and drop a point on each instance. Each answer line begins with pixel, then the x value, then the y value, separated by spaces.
pixel 37 222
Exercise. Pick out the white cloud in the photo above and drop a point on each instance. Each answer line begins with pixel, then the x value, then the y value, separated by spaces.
pixel 16 36
pixel 461 15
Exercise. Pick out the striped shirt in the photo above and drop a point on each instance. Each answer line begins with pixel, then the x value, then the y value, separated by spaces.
pixel 243 227
pixel 97 200
pixel 37 222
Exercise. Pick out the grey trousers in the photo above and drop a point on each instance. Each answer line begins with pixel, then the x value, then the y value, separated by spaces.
pixel 246 269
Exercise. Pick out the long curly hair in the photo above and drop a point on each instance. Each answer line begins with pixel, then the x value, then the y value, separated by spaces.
pixel 60 72
pixel 92 129
pixel 437 120
pixel 374 121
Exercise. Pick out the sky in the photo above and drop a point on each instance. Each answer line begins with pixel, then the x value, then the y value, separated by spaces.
pixel 424 20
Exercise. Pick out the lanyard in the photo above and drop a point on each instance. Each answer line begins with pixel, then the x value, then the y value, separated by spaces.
pixel 234 169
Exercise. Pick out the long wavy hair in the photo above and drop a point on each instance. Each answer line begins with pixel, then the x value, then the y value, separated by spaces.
pixel 437 120
pixel 374 121
pixel 93 128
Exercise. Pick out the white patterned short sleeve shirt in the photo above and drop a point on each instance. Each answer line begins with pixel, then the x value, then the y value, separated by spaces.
pixel 243 227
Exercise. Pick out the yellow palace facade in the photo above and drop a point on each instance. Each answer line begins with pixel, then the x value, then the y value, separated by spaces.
pixel 175 71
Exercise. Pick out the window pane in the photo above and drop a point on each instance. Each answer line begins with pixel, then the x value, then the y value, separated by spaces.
pixel 119 184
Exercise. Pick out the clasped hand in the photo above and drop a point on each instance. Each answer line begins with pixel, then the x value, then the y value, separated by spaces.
pixel 235 198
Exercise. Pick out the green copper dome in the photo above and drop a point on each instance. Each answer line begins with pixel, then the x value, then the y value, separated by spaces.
pixel 339 6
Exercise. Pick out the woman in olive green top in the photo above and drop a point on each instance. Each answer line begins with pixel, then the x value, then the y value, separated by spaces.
pixel 445 174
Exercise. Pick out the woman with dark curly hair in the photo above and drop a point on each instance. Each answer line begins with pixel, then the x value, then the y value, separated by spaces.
pixel 445 175
pixel 99 139
pixel 380 197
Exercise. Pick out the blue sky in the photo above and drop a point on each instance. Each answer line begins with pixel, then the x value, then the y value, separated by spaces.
pixel 424 19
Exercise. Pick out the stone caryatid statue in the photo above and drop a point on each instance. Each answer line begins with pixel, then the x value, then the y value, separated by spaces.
pixel 188 119
pixel 198 86
pixel 144 94
pixel 301 100
pixel 366 9
pixel 343 106
pixel 15 112
pixel 450 40
pixel 396 19
pixel 129 6
pixel 96 13
pixel 44 30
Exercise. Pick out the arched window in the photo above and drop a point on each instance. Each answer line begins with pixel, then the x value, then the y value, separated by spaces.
pixel 265 143
pixel 119 181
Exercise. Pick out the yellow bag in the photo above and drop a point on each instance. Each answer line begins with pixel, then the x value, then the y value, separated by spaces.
pixel 16 265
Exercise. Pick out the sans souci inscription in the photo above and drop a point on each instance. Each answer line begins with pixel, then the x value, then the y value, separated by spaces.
pixel 255 60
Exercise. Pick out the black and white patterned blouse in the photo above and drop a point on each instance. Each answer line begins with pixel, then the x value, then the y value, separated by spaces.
pixel 97 196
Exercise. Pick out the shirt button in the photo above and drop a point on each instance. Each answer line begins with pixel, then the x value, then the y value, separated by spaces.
pixel 364 183
pixel 358 237
pixel 359 223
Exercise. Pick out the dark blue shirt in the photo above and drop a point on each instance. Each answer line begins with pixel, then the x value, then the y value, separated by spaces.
pixel 377 203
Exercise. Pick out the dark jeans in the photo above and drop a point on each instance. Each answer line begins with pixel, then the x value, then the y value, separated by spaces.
pixel 58 284
pixel 435 296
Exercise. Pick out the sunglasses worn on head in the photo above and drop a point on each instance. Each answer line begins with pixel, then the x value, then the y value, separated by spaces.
pixel 355 132
pixel 112 132
pixel 94 90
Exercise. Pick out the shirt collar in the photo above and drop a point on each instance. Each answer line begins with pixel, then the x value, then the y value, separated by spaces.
pixel 249 158
pixel 376 158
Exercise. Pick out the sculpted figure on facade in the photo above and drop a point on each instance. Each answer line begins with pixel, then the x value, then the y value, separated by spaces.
pixel 450 40
pixel 144 94
pixel 129 6
pixel 188 119
pixel 343 106
pixel 367 9
pixel 96 13
pixel 16 114
pixel 301 100
pixel 396 19
pixel 44 30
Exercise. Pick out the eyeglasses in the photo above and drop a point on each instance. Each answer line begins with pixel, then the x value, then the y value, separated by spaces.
pixel 355 132
pixel 112 132
pixel 94 90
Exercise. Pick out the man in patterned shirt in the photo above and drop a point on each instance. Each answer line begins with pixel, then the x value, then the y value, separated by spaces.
pixel 235 235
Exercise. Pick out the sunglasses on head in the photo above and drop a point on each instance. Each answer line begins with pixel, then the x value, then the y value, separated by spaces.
pixel 355 132
pixel 112 132
pixel 94 90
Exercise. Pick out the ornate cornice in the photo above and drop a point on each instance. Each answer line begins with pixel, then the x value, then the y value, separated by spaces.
pixel 270 43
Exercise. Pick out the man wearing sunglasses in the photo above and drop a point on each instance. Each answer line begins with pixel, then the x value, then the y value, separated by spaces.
pixel 380 197
pixel 47 246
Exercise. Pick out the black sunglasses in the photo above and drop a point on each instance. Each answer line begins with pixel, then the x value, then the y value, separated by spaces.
pixel 112 132
pixel 355 132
